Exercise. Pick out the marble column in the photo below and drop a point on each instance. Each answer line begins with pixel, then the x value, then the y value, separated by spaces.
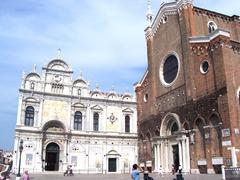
pixel 188 155
pixel 180 152
pixel 155 156
pixel 158 155
pixel 19 110
pixel 162 154
pixel 184 154
pixel 166 156
pixel 40 113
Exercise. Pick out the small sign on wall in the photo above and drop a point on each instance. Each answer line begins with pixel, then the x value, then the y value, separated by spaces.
pixel 217 160
pixel 236 131
pixel 226 143
pixel 226 132
pixel 202 162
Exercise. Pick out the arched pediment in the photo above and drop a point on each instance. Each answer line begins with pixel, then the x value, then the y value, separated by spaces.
pixel 96 94
pixel 126 97
pixel 33 76
pixel 170 124
pixel 79 105
pixel 80 83
pixel 112 95
pixel 31 99
pixel 58 64
pixel 54 126
pixel 97 107
pixel 113 153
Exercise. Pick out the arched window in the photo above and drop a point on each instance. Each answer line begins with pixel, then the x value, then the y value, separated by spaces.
pixel 211 26
pixel 127 123
pixel 95 121
pixel 29 116
pixel 78 121
pixel 174 128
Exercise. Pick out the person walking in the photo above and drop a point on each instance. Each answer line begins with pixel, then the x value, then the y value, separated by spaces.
pixel 160 171
pixel 25 176
pixel 136 170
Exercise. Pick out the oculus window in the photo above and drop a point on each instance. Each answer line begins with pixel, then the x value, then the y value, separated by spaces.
pixel 169 70
pixel 204 67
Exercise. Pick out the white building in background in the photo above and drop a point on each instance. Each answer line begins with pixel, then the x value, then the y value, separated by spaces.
pixel 62 122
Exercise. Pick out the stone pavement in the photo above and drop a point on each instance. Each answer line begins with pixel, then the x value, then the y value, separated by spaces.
pixel 58 176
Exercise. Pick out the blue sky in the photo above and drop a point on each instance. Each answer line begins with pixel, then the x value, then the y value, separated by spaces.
pixel 103 39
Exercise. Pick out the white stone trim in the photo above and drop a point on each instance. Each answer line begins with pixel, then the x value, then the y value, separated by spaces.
pixel 208 38
pixel 169 8
pixel 165 84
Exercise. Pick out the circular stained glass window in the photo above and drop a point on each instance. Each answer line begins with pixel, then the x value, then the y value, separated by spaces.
pixel 170 69
pixel 204 67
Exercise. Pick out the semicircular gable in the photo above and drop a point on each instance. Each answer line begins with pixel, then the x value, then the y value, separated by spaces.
pixel 79 105
pixel 30 99
pixel 80 83
pixel 58 64
pixel 97 107
pixel 33 76
pixel 96 94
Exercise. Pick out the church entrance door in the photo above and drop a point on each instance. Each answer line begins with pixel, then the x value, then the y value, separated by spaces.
pixel 52 157
pixel 112 165
pixel 175 157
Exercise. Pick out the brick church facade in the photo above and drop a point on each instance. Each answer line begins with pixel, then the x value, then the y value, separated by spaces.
pixel 189 97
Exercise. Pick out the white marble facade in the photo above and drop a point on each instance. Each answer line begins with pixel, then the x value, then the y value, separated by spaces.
pixel 63 122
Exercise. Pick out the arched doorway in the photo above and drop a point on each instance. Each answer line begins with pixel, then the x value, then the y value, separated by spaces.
pixel 52 157
pixel 171 148
pixel 113 161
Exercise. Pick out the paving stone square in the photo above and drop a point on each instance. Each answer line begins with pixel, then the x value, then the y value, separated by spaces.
pixel 58 176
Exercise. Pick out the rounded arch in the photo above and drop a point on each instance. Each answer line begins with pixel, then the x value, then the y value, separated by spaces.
pixel 214 119
pixel 170 124
pixel 61 147
pixel 126 97
pixel 212 26
pixel 31 99
pixel 157 131
pixel 33 76
pixel 113 153
pixel 80 83
pixel 58 64
pixel 186 125
pixel 54 124
pixel 198 119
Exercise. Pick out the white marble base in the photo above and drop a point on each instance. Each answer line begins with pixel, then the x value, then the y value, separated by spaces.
pixel 210 171
pixel 194 171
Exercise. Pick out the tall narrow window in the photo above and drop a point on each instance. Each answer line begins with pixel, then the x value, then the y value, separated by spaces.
pixel 95 121
pixel 78 121
pixel 29 116
pixel 127 123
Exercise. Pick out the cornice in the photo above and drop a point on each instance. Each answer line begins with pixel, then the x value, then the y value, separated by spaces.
pixel 202 45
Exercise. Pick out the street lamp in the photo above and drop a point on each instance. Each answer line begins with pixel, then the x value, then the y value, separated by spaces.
pixel 20 150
